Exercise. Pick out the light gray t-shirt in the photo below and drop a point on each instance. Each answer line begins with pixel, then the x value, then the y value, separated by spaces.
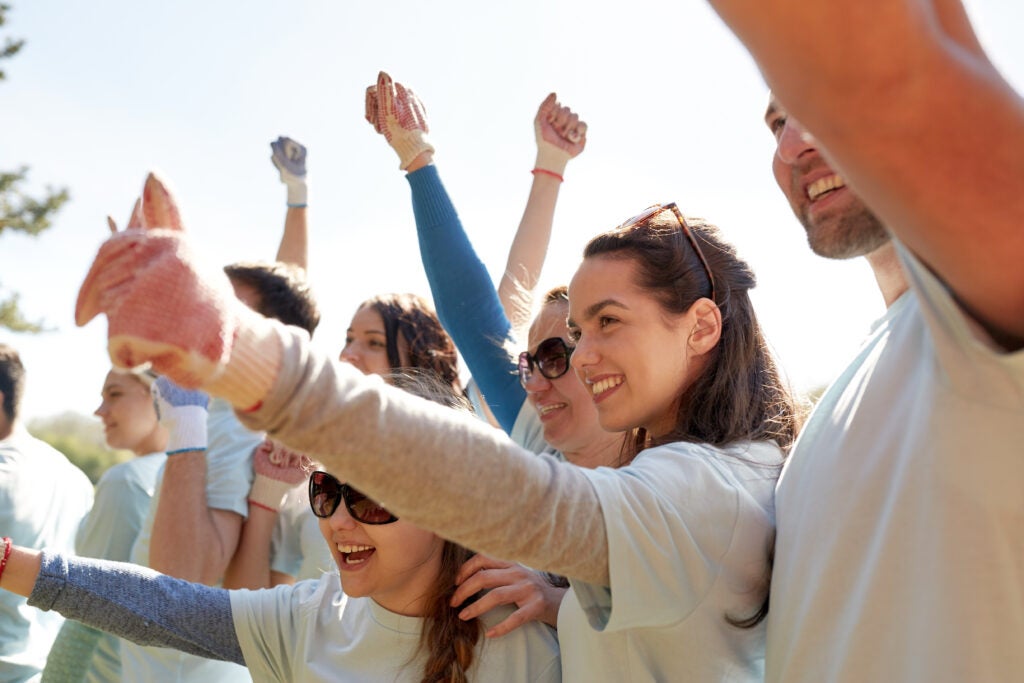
pixel 332 637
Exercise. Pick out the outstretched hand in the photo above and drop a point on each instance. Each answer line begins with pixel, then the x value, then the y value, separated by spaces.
pixel 560 135
pixel 159 307
pixel 507 584
pixel 395 112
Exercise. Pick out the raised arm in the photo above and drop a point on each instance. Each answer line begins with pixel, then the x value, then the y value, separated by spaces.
pixel 465 297
pixel 289 158
pixel 915 115
pixel 561 136
pixel 190 539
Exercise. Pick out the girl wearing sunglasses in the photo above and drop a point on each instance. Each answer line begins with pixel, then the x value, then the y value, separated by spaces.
pixel 668 556
pixel 387 619
pixel 388 333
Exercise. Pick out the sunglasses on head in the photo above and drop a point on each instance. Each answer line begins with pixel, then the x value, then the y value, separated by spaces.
pixel 652 211
pixel 551 359
pixel 326 493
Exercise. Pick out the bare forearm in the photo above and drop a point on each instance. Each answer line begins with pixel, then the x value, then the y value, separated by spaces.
pixel 250 565
pixel 294 247
pixel 186 540
pixel 529 250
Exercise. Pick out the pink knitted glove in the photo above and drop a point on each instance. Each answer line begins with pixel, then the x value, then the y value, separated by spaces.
pixel 397 114
pixel 162 310
pixel 278 470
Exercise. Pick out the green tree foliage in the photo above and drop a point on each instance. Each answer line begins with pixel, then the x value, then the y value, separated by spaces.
pixel 80 438
pixel 19 210
pixel 11 46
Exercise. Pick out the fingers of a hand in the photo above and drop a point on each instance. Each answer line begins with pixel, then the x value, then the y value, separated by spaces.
pixel 512 622
pixel 502 578
pixel 578 133
pixel 385 95
pixel 135 220
pixel 506 595
pixel 559 116
pixel 475 564
pixel 371 107
pixel 544 111
pixel 112 266
pixel 159 210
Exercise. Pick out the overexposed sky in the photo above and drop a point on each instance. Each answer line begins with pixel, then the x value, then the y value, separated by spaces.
pixel 105 91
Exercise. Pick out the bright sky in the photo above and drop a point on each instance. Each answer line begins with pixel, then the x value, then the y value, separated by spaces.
pixel 105 91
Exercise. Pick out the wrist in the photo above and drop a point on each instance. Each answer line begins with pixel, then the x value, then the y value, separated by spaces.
pixel 297 193
pixel 186 430
pixel 253 365
pixel 552 159
pixel 544 173
pixel 269 493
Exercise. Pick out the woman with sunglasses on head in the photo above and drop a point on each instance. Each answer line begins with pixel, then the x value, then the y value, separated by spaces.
pixel 668 556
pixel 387 619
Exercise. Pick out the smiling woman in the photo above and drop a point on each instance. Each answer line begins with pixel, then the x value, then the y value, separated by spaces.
pixel 391 621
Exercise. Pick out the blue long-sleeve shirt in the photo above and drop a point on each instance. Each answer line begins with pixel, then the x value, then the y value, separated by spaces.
pixel 466 299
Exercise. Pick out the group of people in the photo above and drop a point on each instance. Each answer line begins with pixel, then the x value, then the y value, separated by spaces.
pixel 638 496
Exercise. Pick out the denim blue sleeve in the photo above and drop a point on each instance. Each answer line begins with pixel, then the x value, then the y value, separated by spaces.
pixel 139 604
pixel 466 299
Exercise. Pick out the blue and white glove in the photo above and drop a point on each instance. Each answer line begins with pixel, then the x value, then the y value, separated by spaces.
pixel 289 157
pixel 183 414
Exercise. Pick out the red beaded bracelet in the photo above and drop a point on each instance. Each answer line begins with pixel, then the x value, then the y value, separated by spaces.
pixel 547 172
pixel 7 553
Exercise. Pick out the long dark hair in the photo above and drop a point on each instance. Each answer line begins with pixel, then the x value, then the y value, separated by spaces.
pixel 410 317
pixel 740 395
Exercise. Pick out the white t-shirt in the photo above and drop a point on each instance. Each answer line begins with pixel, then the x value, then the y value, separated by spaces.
pixel 311 631
pixel 689 531
pixel 900 554
pixel 228 478
pixel 297 547
pixel 108 532
pixel 43 498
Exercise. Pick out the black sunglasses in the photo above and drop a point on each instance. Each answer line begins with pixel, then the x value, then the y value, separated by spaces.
pixel 326 492
pixel 552 359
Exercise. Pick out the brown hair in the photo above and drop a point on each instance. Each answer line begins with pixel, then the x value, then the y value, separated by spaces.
pixel 283 291
pixel 430 347
pixel 12 380
pixel 448 641
pixel 741 393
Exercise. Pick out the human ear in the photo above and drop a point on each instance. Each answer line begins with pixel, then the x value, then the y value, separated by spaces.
pixel 707 326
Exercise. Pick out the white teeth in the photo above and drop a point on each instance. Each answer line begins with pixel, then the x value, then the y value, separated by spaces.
pixel 604 385
pixel 545 409
pixel 353 548
pixel 823 185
